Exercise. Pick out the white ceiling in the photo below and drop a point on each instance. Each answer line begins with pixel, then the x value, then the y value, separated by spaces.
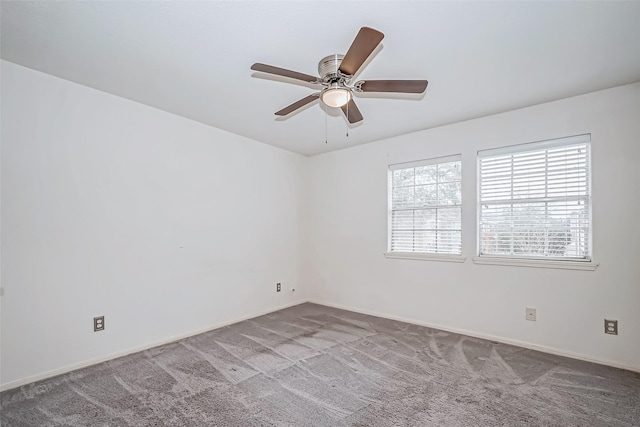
pixel 193 58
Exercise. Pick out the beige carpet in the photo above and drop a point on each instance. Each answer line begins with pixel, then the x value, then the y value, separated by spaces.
pixel 317 366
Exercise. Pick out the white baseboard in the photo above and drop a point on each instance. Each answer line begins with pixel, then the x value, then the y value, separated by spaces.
pixel 97 360
pixel 544 349
pixel 541 348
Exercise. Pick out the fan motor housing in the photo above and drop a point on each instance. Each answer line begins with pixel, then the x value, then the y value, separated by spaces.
pixel 328 67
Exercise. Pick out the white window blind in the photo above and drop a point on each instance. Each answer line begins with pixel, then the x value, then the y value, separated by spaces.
pixel 535 200
pixel 425 206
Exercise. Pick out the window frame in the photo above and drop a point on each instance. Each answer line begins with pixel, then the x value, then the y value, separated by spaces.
pixel 567 262
pixel 431 256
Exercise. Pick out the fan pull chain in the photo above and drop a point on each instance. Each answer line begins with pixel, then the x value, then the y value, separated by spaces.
pixel 347 120
pixel 325 124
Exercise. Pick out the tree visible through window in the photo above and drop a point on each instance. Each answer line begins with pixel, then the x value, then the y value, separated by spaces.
pixel 425 206
pixel 535 200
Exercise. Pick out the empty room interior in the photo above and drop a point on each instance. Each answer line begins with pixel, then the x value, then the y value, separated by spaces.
pixel 320 213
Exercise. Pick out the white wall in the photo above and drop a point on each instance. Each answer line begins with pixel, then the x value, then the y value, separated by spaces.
pixel 168 227
pixel 345 265
pixel 109 207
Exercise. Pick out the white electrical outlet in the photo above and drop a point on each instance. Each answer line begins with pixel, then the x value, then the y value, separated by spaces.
pixel 98 324
pixel 530 314
pixel 611 327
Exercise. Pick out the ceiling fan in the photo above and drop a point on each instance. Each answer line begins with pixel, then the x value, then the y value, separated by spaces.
pixel 336 72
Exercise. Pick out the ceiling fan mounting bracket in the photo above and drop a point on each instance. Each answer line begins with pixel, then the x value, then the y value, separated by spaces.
pixel 329 71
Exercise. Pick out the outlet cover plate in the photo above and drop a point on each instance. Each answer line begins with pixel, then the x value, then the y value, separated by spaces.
pixel 530 314
pixel 98 324
pixel 610 327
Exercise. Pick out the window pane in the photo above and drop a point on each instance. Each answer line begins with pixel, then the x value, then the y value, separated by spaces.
pixel 403 177
pixel 425 241
pixel 449 241
pixel 426 195
pixel 427 174
pixel 448 172
pixel 425 219
pixel 449 193
pixel 402 220
pixel 403 197
pixel 449 218
pixel 402 241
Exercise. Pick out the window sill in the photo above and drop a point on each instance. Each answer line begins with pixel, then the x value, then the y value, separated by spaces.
pixel 425 257
pixel 538 263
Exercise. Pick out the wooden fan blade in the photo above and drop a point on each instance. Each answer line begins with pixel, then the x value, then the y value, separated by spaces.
pixel 298 104
pixel 400 86
pixel 284 72
pixel 362 46
pixel 351 112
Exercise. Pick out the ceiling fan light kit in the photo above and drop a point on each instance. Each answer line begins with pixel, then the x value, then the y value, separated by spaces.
pixel 336 72
pixel 336 96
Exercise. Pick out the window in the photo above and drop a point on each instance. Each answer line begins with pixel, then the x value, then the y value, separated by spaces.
pixel 425 207
pixel 535 200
